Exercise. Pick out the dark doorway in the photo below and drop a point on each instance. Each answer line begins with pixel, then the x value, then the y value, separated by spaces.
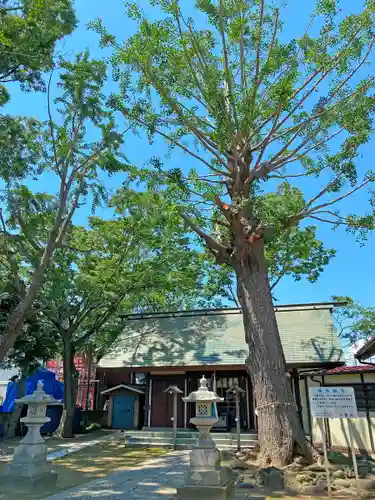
pixel 162 402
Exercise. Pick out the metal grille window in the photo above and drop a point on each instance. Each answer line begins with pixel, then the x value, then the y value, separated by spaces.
pixel 365 396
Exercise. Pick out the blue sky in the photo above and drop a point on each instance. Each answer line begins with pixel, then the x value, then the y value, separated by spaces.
pixel 350 273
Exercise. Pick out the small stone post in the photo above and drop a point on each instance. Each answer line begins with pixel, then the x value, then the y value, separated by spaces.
pixel 29 466
pixel 206 479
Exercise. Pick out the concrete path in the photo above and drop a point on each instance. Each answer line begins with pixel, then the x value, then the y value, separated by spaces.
pixel 59 447
pixel 155 479
pixel 64 448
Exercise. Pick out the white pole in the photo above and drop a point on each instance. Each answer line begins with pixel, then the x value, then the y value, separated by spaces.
pixel 255 412
pixel 247 403
pixel 185 404
pixel 214 382
pixel 149 404
pixel 238 423
pixel 352 450
pixel 326 464
pixel 174 420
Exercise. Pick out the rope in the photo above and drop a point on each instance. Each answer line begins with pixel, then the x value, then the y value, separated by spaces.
pixel 275 403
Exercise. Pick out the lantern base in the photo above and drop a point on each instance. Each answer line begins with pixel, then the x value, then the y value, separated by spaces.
pixel 30 467
pixel 216 477
pixel 206 478
pixel 223 492
pixel 18 479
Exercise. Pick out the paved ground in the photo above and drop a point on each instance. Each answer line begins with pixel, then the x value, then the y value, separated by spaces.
pixel 61 449
pixel 155 479
pixel 57 447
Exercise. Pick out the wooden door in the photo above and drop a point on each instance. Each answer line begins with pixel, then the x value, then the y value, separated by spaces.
pixel 123 412
pixel 162 402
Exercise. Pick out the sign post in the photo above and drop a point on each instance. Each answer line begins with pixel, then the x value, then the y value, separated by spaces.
pixel 326 464
pixel 334 402
pixel 355 467
pixel 175 391
pixel 237 391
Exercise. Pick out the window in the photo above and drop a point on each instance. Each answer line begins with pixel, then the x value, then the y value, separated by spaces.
pixel 140 378
pixel 363 392
pixel 364 396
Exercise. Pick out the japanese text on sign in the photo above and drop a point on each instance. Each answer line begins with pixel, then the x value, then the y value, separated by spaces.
pixel 333 402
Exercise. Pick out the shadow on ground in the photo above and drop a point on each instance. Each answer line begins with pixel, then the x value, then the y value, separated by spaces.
pixel 86 465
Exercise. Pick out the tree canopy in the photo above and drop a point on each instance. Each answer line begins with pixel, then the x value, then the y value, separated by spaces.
pixel 62 149
pixel 355 322
pixel 29 30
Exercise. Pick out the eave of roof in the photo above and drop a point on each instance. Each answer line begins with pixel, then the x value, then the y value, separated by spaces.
pixel 124 386
pixel 231 310
pixel 342 370
pixel 366 351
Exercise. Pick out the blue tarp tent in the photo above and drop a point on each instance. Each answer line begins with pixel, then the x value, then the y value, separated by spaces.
pixel 51 386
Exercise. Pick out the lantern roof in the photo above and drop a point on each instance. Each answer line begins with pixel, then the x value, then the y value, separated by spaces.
pixel 38 397
pixel 202 394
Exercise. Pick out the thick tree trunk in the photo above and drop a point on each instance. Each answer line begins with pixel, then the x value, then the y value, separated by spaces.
pixel 12 329
pixel 70 391
pixel 279 427
pixel 18 316
pixel 16 414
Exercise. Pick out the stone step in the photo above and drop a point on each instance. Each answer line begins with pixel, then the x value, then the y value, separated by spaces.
pixel 179 446
pixel 190 434
pixel 189 441
pixel 185 439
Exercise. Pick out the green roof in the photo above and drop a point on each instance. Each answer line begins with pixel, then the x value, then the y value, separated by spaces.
pixel 216 337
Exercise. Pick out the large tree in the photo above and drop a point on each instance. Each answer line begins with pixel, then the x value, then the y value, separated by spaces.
pixel 276 129
pixel 140 260
pixel 70 153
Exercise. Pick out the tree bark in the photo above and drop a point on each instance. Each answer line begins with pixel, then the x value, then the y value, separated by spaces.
pixel 279 427
pixel 16 414
pixel 18 316
pixel 70 390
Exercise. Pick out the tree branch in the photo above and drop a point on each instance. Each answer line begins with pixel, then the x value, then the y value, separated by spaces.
pixel 207 144
pixel 50 121
pixel 336 90
pixel 9 9
pixel 329 203
pixel 277 281
pixel 211 242
pixel 243 65
pixel 227 72
pixel 193 72
pixel 27 234
pixel 256 81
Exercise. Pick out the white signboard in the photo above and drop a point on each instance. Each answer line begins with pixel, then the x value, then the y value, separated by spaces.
pixel 333 402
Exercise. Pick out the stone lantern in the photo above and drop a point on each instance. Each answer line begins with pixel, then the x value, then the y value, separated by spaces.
pixel 30 457
pixel 206 477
